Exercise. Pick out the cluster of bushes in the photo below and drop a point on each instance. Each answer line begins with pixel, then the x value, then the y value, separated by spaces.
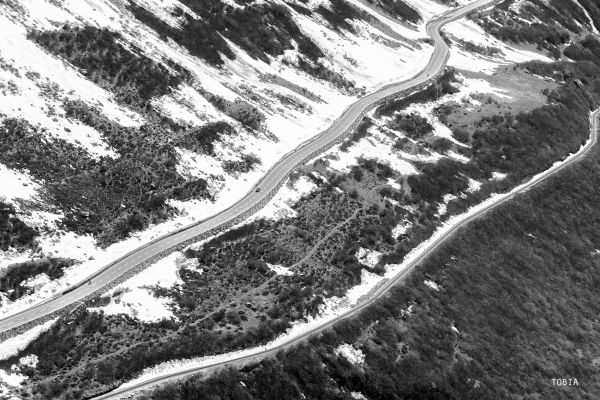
pixel 587 49
pixel 339 13
pixel 436 180
pixel 261 29
pixel 134 78
pixel 234 262
pixel 82 333
pixel 240 110
pixel 409 146
pixel 246 164
pixel 541 34
pixel 546 25
pixel 14 233
pixel 471 47
pixel 249 247
pixel 15 274
pixel 317 70
pixel 201 139
pixel 522 144
pixel 414 125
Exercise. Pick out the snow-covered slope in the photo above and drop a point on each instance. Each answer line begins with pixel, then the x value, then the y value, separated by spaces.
pixel 296 95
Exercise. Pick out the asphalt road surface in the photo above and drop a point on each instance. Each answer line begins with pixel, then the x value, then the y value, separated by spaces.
pixel 269 182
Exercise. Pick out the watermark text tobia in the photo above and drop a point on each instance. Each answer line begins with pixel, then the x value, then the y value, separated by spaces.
pixel 565 382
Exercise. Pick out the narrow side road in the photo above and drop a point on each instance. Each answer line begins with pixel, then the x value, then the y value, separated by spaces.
pixel 252 355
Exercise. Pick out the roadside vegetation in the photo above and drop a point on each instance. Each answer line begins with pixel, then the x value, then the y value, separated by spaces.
pixel 528 270
pixel 239 301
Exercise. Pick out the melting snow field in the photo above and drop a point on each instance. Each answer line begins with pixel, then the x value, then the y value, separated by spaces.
pixel 365 57
pixel 134 297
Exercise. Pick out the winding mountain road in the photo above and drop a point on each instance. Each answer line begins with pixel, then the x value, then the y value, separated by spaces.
pixel 253 200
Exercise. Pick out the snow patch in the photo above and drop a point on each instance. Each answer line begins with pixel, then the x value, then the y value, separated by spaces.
pixel 473 186
pixel 30 360
pixel 16 185
pixel 138 303
pixel 280 270
pixel 36 282
pixel 353 355
pixel 432 285
pixel 134 298
pixel 395 185
pixel 442 207
pixel 458 157
pixel 13 345
pixel 13 379
pixel 454 329
pixel 498 176
pixel 194 165
pixel 401 228
pixel 367 257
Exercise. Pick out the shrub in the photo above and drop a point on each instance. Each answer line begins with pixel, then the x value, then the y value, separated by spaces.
pixel 461 135
pixel 414 125
pixel 242 166
pixel 441 145
pixel 245 113
pixel 201 139
pixel 14 232
pixel 240 110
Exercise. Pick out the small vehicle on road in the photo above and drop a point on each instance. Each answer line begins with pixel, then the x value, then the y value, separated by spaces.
pixel 257 190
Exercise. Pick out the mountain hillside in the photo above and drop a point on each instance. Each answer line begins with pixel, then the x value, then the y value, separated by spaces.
pixel 123 120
